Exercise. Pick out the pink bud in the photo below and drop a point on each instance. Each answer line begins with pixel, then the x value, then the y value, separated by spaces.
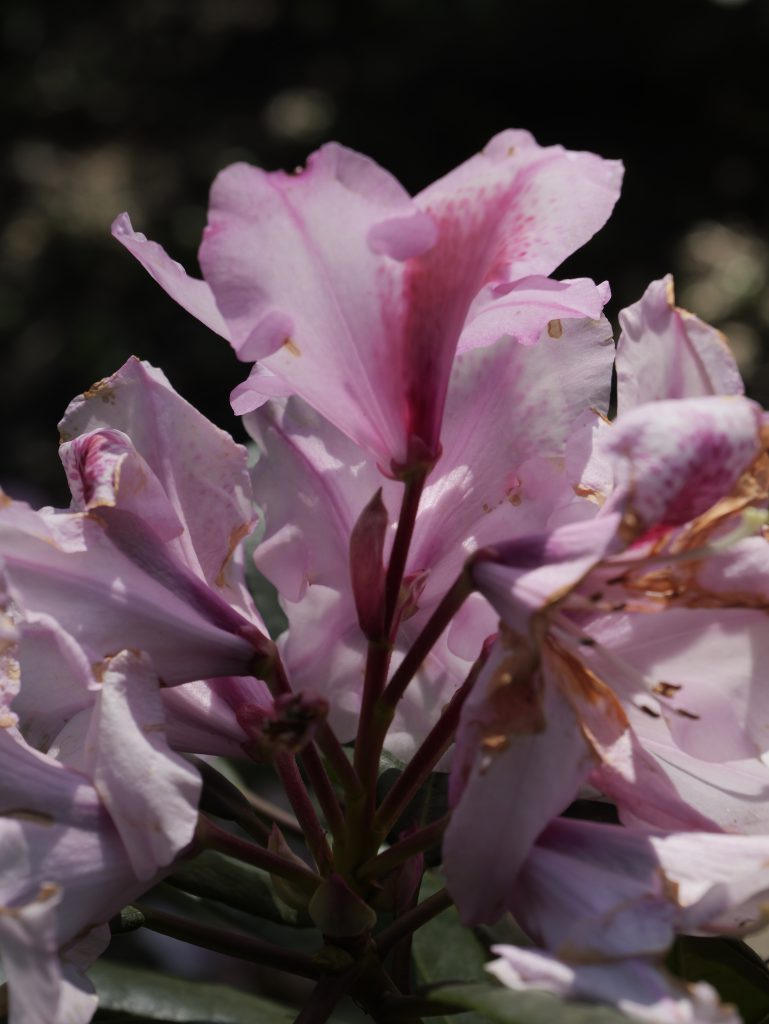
pixel 367 570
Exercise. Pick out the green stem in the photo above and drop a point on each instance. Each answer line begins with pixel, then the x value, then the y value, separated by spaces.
pixel 230 943
pixel 216 838
pixel 402 851
pixel 429 753
pixel 411 920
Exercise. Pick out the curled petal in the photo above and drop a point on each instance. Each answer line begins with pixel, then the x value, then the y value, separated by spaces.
pixel 665 352
pixel 674 459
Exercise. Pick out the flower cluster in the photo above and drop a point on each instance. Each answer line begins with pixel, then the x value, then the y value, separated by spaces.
pixel 481 574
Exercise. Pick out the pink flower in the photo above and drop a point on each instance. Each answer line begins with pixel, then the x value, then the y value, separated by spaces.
pixel 497 477
pixel 353 295
pixel 584 656
pixel 86 826
pixel 148 557
pixel 636 987
pixel 605 903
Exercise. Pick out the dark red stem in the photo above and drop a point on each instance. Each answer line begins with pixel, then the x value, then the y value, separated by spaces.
pixel 230 943
pixel 216 838
pixel 429 753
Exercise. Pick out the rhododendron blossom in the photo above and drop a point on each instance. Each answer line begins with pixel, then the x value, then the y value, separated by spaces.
pixel 515 655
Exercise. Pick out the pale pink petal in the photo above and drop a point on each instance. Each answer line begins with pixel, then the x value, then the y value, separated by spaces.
pixel 199 468
pixel 498 476
pixel 733 794
pixel 721 881
pixel 312 483
pixel 57 680
pixel 642 788
pixel 193 295
pixel 151 794
pixel 665 352
pixel 594 892
pixel 636 987
pixel 557 200
pixel 41 989
pixel 289 260
pixel 666 662
pixel 109 597
pixel 674 459
pixel 260 386
pixel 525 309
pixel 201 716
pixel 356 295
pixel 63 870
pixel 514 730
pixel 588 466
pixel 104 470
pixel 475 621
pixel 527 575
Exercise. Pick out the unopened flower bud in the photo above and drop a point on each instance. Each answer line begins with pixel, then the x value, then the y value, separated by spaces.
pixel 292 895
pixel 288 727
pixel 367 571
pixel 338 911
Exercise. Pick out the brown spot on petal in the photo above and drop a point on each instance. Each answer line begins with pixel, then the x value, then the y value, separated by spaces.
pixel 648 711
pixel 7 721
pixel 154 727
pixel 555 328
pixel 236 537
pixel 494 744
pixel 45 892
pixel 590 493
pixel 666 689
pixel 687 714
pixel 291 346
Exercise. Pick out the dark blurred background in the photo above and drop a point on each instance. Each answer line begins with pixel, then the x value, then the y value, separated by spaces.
pixel 135 104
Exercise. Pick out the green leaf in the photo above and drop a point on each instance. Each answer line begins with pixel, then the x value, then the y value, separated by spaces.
pixel 389 762
pixel 738 973
pixel 504 1006
pixel 444 950
pixel 215 876
pixel 159 997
